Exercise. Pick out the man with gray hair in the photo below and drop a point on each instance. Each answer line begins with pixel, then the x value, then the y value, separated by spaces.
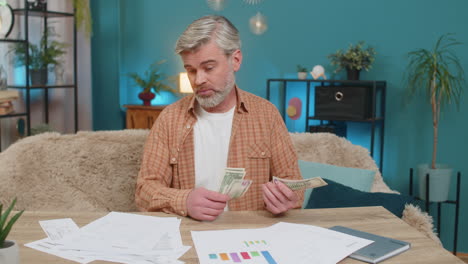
pixel 219 126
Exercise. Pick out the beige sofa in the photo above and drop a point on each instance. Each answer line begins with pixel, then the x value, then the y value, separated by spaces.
pixel 97 171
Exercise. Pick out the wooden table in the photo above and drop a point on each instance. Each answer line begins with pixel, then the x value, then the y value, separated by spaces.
pixel 371 219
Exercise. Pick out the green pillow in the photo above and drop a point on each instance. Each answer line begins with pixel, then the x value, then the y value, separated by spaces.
pixel 336 195
pixel 358 179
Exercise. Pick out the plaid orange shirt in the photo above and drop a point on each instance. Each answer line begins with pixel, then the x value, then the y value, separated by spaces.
pixel 259 142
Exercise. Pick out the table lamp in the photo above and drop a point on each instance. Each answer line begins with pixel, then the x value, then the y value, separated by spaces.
pixel 184 83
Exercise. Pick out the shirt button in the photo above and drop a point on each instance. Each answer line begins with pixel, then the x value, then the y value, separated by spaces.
pixel 188 126
pixel 173 159
pixel 263 153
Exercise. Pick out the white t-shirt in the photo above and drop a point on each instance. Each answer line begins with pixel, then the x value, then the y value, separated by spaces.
pixel 212 133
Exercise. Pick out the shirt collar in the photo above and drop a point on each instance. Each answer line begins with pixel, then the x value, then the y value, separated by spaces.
pixel 242 105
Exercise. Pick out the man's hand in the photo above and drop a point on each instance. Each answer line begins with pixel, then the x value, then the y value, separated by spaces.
pixel 278 197
pixel 203 204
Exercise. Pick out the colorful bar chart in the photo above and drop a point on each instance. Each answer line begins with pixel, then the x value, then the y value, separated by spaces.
pixel 246 257
pixel 256 242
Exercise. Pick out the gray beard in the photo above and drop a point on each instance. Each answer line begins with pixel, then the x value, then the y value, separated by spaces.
pixel 218 97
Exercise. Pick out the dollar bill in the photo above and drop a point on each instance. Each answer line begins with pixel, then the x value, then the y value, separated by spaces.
pixel 235 169
pixel 302 184
pixel 237 188
pixel 231 174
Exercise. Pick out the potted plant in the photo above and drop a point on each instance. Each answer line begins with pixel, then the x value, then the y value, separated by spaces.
pixel 8 249
pixel 46 53
pixel 354 59
pixel 152 80
pixel 301 72
pixel 438 72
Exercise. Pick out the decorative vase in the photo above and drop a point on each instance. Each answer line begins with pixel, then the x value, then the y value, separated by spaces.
pixel 59 74
pixel 302 75
pixel 9 253
pixel 353 74
pixel 439 182
pixel 3 79
pixel 146 97
pixel 38 77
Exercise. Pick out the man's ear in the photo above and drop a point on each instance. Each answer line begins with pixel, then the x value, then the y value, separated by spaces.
pixel 236 60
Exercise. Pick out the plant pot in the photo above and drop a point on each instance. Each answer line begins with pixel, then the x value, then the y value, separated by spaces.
pixel 38 77
pixel 37 5
pixel 9 253
pixel 146 97
pixel 353 74
pixel 439 182
pixel 302 75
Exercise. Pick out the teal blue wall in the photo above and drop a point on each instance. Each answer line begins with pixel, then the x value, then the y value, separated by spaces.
pixel 105 59
pixel 129 35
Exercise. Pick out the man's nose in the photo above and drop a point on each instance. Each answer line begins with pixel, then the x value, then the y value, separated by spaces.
pixel 200 78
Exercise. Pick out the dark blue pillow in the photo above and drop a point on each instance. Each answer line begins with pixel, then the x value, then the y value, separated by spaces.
pixel 336 195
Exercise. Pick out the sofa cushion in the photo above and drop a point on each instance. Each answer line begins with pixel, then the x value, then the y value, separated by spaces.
pixel 87 171
pixel 336 195
pixel 330 149
pixel 358 179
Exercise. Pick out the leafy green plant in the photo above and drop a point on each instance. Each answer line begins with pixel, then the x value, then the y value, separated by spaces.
pixel 356 57
pixel 439 73
pixel 48 52
pixel 83 16
pixel 5 226
pixel 153 79
pixel 301 68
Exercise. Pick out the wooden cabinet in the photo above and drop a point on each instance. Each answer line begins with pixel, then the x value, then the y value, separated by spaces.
pixel 141 116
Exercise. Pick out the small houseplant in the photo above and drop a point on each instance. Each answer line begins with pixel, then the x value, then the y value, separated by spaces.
pixel 8 249
pixel 439 74
pixel 46 53
pixel 301 72
pixel 354 59
pixel 152 80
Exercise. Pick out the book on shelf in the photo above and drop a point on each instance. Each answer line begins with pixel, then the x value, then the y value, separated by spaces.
pixel 6 108
pixel 382 248
pixel 8 95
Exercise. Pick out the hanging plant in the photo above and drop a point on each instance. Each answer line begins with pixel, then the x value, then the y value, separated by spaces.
pixel 83 18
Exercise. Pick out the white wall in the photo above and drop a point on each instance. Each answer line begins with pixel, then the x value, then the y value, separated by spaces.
pixel 61 108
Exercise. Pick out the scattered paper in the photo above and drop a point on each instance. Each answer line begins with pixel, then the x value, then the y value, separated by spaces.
pixel 58 228
pixel 279 243
pixel 116 237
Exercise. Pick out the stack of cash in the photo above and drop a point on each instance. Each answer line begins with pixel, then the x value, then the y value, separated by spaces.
pixel 296 185
pixel 235 186
pixel 233 183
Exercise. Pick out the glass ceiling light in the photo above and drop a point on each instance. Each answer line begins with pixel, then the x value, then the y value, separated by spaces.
pixel 253 2
pixel 216 5
pixel 258 24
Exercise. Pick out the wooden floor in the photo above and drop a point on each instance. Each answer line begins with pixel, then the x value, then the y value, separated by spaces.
pixel 464 258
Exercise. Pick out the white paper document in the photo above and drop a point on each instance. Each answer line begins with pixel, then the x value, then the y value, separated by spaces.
pixel 116 237
pixel 58 228
pixel 277 244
